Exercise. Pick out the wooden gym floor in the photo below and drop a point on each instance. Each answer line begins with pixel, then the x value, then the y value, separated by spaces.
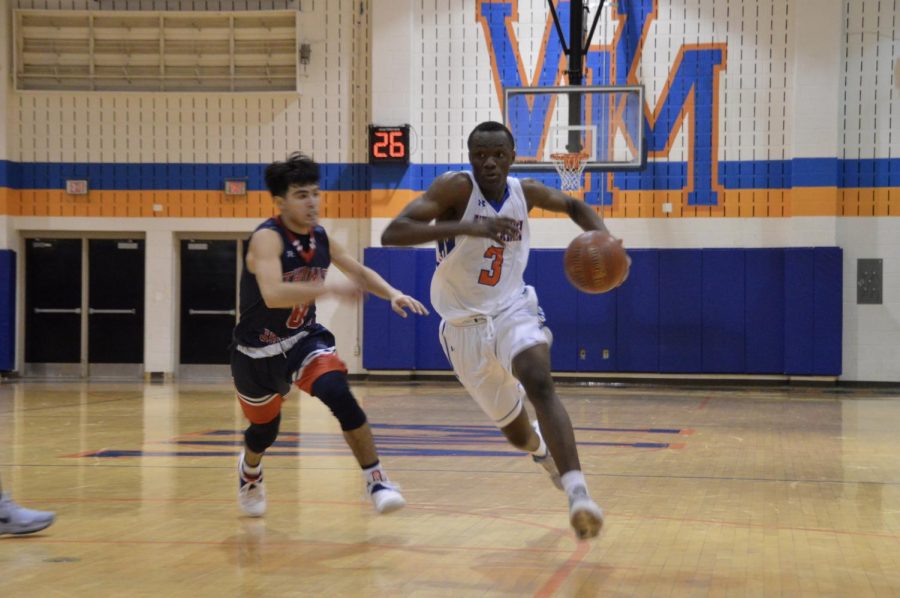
pixel 741 492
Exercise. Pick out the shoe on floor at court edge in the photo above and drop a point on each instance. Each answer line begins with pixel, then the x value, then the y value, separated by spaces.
pixel 547 461
pixel 19 520
pixel 251 493
pixel 385 496
pixel 584 515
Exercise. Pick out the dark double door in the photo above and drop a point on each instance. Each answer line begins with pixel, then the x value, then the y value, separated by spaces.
pixel 84 307
pixel 209 305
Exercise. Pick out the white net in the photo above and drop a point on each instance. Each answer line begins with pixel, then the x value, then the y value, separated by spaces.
pixel 570 168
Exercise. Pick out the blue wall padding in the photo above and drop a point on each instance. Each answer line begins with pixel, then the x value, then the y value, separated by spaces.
pixel 828 311
pixel 680 318
pixel 392 338
pixel 637 308
pixel 559 306
pixel 376 316
pixel 7 310
pixel 799 310
pixel 764 310
pixel 718 311
pixel 724 328
pixel 597 332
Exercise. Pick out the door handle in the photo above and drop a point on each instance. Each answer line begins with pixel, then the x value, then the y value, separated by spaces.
pixel 55 310
pixel 131 311
pixel 211 312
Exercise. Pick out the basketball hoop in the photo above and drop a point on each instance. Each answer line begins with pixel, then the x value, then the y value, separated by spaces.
pixel 570 166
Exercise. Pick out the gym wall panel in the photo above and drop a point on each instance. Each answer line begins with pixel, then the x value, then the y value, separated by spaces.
pixel 638 311
pixel 724 325
pixel 377 318
pixel 391 342
pixel 764 314
pixel 827 329
pixel 680 310
pixel 799 310
pixel 595 335
pixel 401 351
pixel 558 299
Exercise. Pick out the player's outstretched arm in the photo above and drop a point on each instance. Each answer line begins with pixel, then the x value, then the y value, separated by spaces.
pixel 444 202
pixel 372 282
pixel 264 261
pixel 539 195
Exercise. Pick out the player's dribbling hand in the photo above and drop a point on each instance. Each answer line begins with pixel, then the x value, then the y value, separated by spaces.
pixel 399 302
pixel 498 229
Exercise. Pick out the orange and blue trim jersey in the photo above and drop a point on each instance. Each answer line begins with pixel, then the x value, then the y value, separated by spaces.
pixel 304 258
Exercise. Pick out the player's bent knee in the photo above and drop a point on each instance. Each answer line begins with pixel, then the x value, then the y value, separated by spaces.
pixel 259 437
pixel 537 384
pixel 332 389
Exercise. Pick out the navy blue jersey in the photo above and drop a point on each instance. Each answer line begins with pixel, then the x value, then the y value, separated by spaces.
pixel 304 258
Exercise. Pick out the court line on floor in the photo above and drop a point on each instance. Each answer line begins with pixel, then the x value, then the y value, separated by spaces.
pixel 395 468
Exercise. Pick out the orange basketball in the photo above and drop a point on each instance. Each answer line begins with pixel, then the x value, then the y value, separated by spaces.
pixel 595 262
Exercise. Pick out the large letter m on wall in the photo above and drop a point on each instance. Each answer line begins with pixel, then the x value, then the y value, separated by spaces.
pixel 690 96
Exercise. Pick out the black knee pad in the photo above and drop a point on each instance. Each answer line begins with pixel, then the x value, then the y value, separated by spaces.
pixel 259 437
pixel 332 389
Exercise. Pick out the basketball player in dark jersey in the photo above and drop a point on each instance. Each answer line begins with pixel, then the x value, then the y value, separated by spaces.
pixel 278 342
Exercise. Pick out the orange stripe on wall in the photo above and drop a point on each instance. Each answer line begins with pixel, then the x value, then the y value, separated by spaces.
pixel 815 201
pixel 388 203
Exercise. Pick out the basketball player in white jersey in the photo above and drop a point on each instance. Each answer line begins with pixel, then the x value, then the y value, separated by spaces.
pixel 493 330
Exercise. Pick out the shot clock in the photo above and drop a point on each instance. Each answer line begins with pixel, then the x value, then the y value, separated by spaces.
pixel 388 145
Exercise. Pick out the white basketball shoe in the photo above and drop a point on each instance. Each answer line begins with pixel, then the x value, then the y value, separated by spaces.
pixel 385 495
pixel 18 520
pixel 251 492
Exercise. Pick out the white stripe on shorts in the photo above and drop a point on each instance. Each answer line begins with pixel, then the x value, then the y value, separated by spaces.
pixel 256 401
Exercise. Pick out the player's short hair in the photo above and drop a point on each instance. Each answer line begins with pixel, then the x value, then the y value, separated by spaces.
pixel 490 126
pixel 298 169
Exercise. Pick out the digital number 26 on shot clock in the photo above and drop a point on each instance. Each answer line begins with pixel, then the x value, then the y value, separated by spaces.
pixel 388 144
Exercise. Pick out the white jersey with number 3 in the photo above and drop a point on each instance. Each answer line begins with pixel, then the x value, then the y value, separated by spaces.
pixel 477 275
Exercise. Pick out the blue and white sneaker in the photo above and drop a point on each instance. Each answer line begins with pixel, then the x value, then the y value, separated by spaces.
pixel 385 496
pixel 18 520
pixel 251 492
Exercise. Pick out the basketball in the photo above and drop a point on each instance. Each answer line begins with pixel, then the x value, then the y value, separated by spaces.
pixel 595 262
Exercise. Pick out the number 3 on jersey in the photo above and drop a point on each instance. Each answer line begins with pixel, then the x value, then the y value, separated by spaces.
pixel 492 277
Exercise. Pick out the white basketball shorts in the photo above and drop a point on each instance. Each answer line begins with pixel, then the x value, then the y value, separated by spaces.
pixel 481 350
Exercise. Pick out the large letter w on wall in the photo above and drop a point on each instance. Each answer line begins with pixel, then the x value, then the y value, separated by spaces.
pixel 690 95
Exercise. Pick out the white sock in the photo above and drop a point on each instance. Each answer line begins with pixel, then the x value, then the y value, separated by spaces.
pixel 251 472
pixel 374 474
pixel 573 482
pixel 541 451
